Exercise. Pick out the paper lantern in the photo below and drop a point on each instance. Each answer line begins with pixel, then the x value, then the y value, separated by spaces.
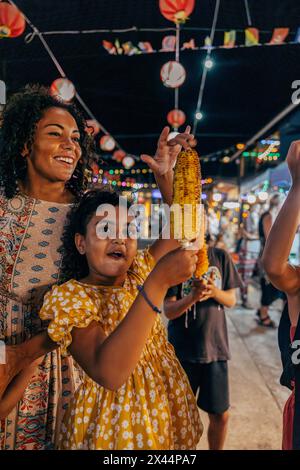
pixel 119 155
pixel 176 10
pixel 63 88
pixel 128 162
pixel 92 127
pixel 12 22
pixel 176 118
pixel 172 74
pixel 107 143
pixel 169 43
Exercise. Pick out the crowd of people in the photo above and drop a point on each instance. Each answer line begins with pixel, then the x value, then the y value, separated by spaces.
pixel 89 364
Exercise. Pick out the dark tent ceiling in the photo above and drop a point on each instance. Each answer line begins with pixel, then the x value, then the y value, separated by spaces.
pixel 244 90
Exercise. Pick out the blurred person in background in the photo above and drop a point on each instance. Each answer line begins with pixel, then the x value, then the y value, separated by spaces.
pixel 269 293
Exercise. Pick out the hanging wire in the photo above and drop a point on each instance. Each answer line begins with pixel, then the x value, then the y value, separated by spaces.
pixel 63 75
pixel 32 35
pixel 177 55
pixel 249 20
pixel 204 74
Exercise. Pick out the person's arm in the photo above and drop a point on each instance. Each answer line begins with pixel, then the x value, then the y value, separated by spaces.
pixel 15 390
pixel 267 224
pixel 109 360
pixel 174 308
pixel 280 239
pixel 223 297
pixel 164 160
pixel 162 165
pixel 250 236
pixel 20 357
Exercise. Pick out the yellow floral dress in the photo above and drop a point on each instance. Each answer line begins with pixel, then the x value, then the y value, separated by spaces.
pixel 155 408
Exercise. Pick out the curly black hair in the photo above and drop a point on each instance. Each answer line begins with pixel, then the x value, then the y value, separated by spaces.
pixel 20 117
pixel 73 264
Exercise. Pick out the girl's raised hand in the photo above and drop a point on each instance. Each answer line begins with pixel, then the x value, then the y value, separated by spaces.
pixel 168 150
pixel 293 161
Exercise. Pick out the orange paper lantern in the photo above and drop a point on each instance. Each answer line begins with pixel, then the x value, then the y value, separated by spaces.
pixel 176 118
pixel 176 10
pixel 12 22
pixel 119 155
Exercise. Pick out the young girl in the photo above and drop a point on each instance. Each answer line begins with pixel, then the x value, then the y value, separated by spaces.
pixel 283 275
pixel 134 395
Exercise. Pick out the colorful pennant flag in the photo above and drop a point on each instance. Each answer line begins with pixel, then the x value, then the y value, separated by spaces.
pixel 109 47
pixel 118 47
pixel 145 47
pixel 229 38
pixel 297 37
pixel 207 42
pixel 279 35
pixel 189 45
pixel 169 43
pixel 251 36
pixel 130 49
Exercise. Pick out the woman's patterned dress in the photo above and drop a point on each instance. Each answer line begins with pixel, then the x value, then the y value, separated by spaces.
pixel 30 235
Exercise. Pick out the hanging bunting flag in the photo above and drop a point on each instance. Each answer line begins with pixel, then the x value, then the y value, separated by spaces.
pixel 169 43
pixel 279 35
pixel 109 47
pixel 251 36
pixel 189 45
pixel 130 49
pixel 229 38
pixel 207 42
pixel 118 47
pixel 145 47
pixel 297 37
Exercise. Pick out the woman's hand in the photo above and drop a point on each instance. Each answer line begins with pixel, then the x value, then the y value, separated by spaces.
pixel 12 366
pixel 167 151
pixel 176 267
pixel 293 161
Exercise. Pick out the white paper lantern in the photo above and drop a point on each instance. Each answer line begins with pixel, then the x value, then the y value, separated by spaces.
pixel 63 89
pixel 172 74
pixel 107 143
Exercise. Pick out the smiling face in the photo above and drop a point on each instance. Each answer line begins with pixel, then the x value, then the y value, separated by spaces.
pixel 108 259
pixel 56 149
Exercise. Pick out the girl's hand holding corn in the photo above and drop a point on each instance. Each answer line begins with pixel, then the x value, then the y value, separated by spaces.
pixel 176 267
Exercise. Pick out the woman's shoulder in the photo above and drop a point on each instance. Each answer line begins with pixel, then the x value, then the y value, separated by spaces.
pixel 17 204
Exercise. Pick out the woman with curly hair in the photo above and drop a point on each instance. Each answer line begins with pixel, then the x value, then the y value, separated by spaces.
pixel 44 151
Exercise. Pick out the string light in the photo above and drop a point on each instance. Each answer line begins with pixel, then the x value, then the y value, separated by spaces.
pixel 208 63
pixel 198 115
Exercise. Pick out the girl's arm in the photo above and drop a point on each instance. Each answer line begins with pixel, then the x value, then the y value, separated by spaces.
pixel 162 165
pixel 109 360
pixel 283 275
pixel 15 390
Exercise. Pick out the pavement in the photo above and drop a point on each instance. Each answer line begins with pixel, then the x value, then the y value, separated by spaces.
pixel 256 397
